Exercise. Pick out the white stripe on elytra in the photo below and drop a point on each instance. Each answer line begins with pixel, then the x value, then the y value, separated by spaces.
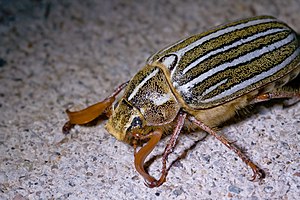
pixel 242 59
pixel 255 79
pixel 222 32
pixel 142 84
pixel 216 34
pixel 235 44
pixel 213 87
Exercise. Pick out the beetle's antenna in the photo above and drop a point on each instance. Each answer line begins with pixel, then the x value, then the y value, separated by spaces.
pixel 92 112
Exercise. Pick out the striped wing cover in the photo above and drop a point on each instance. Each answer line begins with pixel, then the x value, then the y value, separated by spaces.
pixel 231 60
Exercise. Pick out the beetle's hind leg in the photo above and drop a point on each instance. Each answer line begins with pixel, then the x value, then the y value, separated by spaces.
pixel 257 172
pixel 92 112
pixel 293 96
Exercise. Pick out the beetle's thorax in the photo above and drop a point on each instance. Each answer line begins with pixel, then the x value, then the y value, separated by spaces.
pixel 148 97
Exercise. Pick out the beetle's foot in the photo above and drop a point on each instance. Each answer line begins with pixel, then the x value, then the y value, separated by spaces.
pixel 156 183
pixel 67 127
pixel 258 173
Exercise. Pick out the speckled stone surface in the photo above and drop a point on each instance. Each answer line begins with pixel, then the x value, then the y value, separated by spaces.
pixel 70 53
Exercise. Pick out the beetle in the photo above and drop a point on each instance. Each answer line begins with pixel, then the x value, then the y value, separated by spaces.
pixel 199 83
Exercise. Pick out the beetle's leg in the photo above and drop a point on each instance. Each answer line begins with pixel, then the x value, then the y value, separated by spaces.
pixel 257 172
pixel 278 94
pixel 137 137
pixel 92 112
pixel 170 147
pixel 141 155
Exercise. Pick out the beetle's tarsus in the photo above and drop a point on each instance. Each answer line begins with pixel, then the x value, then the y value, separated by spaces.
pixel 67 127
pixel 156 183
pixel 257 172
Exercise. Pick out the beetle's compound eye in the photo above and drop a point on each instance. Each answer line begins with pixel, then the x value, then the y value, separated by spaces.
pixel 136 123
pixel 125 118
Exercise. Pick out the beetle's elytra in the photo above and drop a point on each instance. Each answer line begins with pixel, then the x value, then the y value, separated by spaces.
pixel 200 82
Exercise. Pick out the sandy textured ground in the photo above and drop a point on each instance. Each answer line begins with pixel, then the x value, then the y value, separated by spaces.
pixel 58 54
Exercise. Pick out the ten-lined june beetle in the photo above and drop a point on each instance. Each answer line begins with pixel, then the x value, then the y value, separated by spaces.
pixel 200 82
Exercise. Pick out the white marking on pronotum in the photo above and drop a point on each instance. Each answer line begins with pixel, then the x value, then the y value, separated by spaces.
pixel 160 99
pixel 213 87
pixel 220 32
pixel 235 44
pixel 255 79
pixel 142 83
pixel 242 59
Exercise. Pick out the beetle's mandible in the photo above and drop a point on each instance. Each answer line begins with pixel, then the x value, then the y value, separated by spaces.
pixel 198 83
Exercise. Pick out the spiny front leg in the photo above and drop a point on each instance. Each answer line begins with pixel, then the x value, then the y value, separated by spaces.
pixel 258 173
pixel 92 112
pixel 141 155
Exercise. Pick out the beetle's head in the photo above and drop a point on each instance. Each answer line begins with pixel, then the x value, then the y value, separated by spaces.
pixel 125 120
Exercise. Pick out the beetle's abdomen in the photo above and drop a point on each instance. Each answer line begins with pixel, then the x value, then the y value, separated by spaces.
pixel 230 61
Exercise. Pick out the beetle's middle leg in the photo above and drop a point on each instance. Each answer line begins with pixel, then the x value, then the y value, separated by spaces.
pixel 257 172
pixel 170 146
